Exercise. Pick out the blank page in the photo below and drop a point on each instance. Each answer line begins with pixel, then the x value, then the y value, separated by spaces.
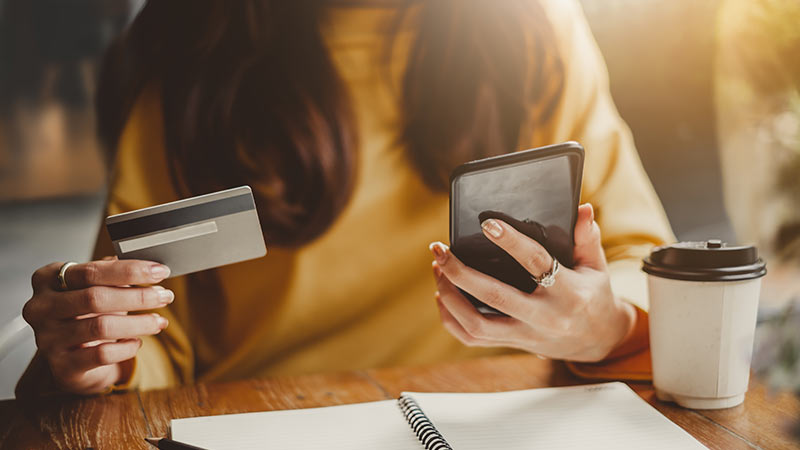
pixel 601 416
pixel 364 426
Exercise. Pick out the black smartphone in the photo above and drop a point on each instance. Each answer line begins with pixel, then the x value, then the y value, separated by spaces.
pixel 536 191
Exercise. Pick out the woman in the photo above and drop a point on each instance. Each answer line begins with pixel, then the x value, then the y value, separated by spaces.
pixel 346 118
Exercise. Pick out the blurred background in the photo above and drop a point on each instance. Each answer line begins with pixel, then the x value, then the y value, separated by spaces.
pixel 677 75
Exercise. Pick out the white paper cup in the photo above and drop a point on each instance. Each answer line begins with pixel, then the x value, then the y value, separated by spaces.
pixel 703 308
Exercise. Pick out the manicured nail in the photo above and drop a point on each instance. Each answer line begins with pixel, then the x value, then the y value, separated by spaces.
pixel 162 322
pixel 437 296
pixel 159 271
pixel 437 271
pixel 439 252
pixel 166 296
pixel 492 227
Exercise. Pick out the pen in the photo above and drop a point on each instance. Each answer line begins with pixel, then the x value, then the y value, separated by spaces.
pixel 169 444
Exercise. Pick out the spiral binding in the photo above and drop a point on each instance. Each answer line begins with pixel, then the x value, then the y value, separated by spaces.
pixel 422 426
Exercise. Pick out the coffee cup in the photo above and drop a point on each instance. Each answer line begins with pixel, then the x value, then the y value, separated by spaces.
pixel 703 308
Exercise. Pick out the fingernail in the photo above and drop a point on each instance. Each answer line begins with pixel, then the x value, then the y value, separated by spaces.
pixel 591 212
pixel 166 296
pixel 492 227
pixel 162 322
pixel 140 343
pixel 159 271
pixel 439 252
pixel 437 271
pixel 437 296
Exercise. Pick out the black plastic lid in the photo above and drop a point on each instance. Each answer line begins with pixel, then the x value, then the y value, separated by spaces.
pixel 712 260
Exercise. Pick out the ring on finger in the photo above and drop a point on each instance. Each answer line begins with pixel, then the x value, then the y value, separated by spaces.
pixel 548 278
pixel 62 281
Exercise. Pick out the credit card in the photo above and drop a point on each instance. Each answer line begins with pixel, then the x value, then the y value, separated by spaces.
pixel 192 234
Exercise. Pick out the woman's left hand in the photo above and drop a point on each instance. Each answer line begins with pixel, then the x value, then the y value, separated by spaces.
pixel 578 318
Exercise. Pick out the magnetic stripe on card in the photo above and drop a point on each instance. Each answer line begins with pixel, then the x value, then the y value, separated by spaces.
pixel 179 217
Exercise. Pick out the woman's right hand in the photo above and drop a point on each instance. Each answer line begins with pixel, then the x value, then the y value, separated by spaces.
pixel 85 332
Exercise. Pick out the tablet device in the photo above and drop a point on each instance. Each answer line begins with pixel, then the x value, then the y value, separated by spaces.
pixel 192 234
pixel 536 191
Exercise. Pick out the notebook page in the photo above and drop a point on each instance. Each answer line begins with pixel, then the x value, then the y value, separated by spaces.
pixel 364 426
pixel 601 416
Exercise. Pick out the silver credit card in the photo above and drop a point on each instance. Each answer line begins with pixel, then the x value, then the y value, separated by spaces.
pixel 192 234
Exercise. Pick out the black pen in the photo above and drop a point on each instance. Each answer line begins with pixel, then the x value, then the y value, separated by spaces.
pixel 169 444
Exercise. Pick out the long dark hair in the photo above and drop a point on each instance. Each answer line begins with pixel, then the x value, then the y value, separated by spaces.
pixel 250 96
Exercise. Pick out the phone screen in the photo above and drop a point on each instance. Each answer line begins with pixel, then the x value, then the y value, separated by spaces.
pixel 536 196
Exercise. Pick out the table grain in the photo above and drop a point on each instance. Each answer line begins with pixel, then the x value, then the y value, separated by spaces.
pixel 120 421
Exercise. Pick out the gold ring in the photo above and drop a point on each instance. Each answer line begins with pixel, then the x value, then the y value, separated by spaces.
pixel 62 282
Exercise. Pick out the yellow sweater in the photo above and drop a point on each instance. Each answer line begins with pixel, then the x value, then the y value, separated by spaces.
pixel 362 294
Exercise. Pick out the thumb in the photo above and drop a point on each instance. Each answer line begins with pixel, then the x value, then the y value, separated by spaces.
pixel 588 247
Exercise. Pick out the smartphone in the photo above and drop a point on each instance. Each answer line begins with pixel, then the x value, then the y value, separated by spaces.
pixel 535 191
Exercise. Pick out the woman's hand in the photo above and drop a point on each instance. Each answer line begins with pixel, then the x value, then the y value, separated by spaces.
pixel 85 333
pixel 578 318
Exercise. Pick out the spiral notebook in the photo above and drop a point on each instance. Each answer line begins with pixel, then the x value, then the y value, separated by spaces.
pixel 600 416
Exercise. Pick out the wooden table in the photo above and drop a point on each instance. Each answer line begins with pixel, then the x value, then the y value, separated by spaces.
pixel 122 420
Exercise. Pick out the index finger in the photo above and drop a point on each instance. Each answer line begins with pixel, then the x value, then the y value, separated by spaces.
pixel 115 273
pixel 529 253
pixel 525 250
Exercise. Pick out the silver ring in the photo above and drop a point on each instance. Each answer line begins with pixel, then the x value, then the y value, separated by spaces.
pixel 62 282
pixel 548 278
